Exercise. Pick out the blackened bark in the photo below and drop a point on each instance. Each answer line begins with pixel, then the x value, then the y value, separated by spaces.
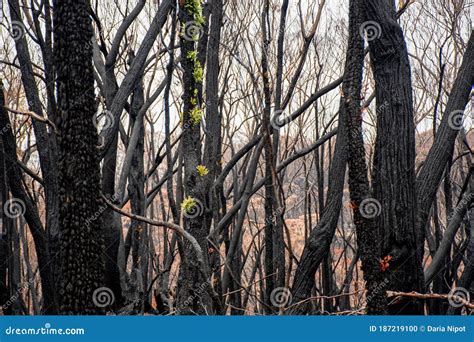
pixel 467 276
pixel 169 155
pixel 213 135
pixel 366 226
pixel 269 206
pixel 394 156
pixel 15 181
pixel 111 226
pixel 14 271
pixel 438 263
pixel 81 237
pixel 318 244
pixel 3 268
pixel 114 276
pixel 136 183
pixel 431 173
pixel 133 75
pixel 319 241
pixel 3 218
pixel 46 142
pixel 169 247
pixel 279 261
pixel 194 292
pixel 233 246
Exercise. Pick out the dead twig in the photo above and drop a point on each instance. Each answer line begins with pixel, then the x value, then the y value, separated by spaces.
pixel 33 115
pixel 178 229
pixel 414 294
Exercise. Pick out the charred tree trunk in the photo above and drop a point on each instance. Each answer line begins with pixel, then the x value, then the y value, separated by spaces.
pixel 366 225
pixel 269 264
pixel 279 261
pixel 319 241
pixel 81 237
pixel 194 292
pixel 111 226
pixel 213 142
pixel 318 244
pixel 28 209
pixel 467 276
pixel 46 144
pixel 136 183
pixel 4 250
pixel 394 157
pixel 441 152
pixel 3 270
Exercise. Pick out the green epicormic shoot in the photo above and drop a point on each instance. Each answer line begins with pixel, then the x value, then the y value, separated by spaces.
pixel 191 32
pixel 188 204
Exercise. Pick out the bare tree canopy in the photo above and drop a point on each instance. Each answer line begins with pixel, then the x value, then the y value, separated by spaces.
pixel 224 157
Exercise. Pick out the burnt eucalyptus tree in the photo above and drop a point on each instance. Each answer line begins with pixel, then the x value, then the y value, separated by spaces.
pixel 359 187
pixel 194 291
pixel 394 156
pixel 213 135
pixel 45 143
pixel 269 185
pixel 317 246
pixel 81 239
pixel 441 152
pixel 18 190
pixel 136 181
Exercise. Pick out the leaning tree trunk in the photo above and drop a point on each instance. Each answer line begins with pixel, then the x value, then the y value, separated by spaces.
pixel 81 240
pixel 319 242
pixel 467 276
pixel 441 151
pixel 394 157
